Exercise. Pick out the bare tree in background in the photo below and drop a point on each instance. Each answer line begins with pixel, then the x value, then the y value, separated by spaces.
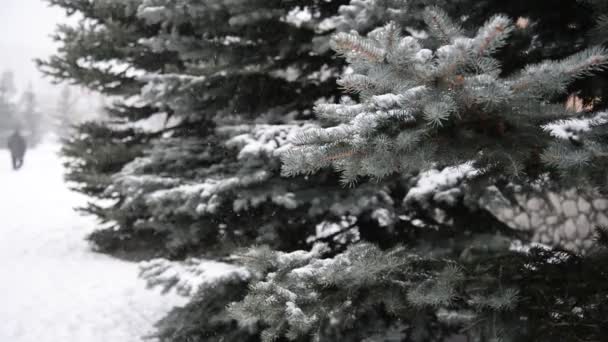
pixel 30 116
pixel 65 116
pixel 7 85
pixel 7 106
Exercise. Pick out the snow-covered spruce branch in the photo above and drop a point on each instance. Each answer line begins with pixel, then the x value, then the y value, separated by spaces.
pixel 190 277
pixel 298 295
pixel 449 105
pixel 551 77
pixel 576 148
pixel 201 192
pixel 441 26
pixel 365 15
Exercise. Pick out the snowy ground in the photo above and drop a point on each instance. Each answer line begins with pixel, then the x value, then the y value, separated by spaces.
pixel 52 287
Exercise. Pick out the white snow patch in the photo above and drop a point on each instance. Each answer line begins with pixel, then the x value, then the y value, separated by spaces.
pixel 433 181
pixel 289 74
pixel 55 288
pixel 299 16
pixel 190 277
pixel 384 217
pixel 566 129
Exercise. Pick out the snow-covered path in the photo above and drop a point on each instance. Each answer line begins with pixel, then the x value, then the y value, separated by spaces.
pixel 52 287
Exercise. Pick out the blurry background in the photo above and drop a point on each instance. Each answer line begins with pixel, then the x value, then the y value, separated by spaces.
pixel 25 28
pixel 86 296
pixel 27 100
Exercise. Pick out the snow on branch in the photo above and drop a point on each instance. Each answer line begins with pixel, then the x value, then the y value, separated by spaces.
pixel 190 277
pixel 434 181
pixel 570 128
pixel 353 46
pixel 262 139
pixel 296 299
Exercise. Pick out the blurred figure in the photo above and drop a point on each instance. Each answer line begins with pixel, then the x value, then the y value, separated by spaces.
pixel 17 146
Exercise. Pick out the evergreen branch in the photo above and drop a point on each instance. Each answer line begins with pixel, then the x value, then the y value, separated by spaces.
pixel 549 78
pixel 354 46
pixel 358 84
pixel 587 62
pixel 338 156
pixel 440 24
pixel 493 35
pixel 338 112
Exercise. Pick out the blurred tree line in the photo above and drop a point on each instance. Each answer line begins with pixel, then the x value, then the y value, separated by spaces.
pixel 36 115
pixel 19 110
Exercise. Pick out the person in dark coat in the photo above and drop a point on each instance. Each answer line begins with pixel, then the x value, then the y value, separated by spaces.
pixel 17 146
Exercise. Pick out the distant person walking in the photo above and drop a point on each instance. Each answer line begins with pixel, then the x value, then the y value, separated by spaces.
pixel 17 146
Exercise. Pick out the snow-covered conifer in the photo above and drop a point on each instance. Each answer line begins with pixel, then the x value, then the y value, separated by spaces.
pixel 445 106
pixel 215 98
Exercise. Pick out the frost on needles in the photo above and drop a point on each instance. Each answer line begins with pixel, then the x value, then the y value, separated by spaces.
pixel 444 101
pixel 304 294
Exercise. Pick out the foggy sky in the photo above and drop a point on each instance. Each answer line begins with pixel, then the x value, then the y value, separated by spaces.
pixel 25 27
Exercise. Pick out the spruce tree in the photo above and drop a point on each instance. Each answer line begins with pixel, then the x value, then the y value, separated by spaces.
pixel 232 95
pixel 460 280
pixel 237 80
pixel 104 37
pixel 480 96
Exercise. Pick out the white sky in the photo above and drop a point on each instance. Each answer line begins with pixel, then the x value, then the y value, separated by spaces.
pixel 25 29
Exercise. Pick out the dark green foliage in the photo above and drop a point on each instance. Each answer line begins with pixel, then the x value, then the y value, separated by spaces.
pixel 129 244
pixel 107 35
pixel 106 38
pixel 96 153
pixel 205 319
pixel 472 286
pixel 600 33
